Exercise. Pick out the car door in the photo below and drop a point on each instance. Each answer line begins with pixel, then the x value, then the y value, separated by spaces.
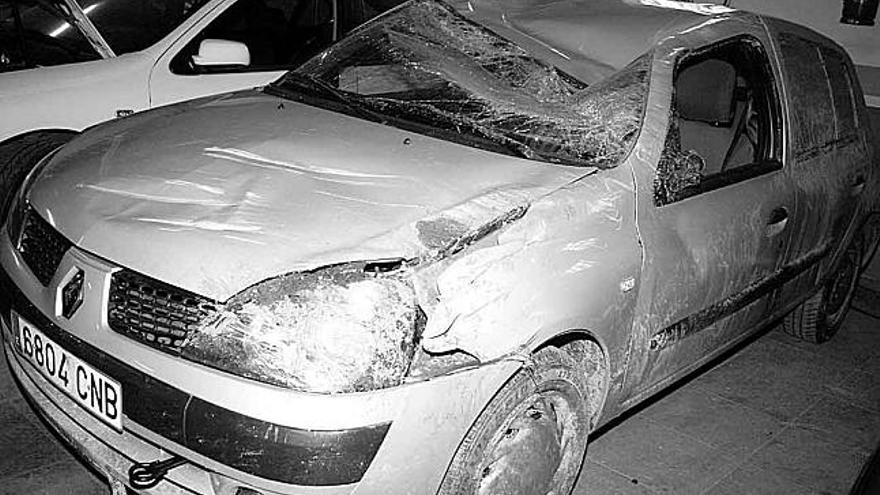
pixel 278 36
pixel 828 149
pixel 715 206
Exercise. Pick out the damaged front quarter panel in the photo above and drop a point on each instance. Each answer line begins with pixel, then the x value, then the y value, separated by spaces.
pixel 544 273
pixel 467 300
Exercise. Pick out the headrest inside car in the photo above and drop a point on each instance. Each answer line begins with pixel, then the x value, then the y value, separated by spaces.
pixel 705 92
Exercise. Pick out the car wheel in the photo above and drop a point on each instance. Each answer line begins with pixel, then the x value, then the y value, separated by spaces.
pixel 531 438
pixel 19 157
pixel 818 318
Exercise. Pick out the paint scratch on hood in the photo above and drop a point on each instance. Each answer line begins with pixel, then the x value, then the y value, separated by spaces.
pixel 155 197
pixel 369 202
pixel 201 224
pixel 246 157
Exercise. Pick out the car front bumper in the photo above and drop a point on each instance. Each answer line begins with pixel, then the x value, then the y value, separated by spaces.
pixel 425 420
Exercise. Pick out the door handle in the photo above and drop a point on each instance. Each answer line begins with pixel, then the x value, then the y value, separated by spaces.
pixel 858 185
pixel 777 222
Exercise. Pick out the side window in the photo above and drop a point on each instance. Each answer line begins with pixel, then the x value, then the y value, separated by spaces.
pixel 841 86
pixel 278 35
pixel 724 124
pixel 133 25
pixel 813 114
pixel 38 34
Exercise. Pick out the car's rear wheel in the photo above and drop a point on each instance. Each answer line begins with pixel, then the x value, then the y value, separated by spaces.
pixel 818 318
pixel 19 156
pixel 531 438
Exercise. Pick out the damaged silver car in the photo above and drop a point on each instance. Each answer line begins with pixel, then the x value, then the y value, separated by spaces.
pixel 440 253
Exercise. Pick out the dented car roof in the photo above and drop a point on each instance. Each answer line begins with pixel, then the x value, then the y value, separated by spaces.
pixel 603 34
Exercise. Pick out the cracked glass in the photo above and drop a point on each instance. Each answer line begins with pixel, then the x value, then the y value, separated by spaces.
pixel 427 69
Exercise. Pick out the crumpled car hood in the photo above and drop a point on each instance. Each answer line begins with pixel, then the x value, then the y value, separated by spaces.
pixel 217 194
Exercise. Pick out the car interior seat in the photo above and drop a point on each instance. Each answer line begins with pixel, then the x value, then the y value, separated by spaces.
pixel 710 110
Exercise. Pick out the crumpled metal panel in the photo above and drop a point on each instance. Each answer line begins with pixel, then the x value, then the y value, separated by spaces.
pixel 562 266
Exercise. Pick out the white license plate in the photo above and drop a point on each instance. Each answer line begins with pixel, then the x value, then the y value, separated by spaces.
pixel 98 393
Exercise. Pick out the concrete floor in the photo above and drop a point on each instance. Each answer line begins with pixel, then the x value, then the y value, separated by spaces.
pixel 777 417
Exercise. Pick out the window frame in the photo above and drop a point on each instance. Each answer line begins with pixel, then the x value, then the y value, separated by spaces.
pixel 824 50
pixel 846 77
pixel 772 161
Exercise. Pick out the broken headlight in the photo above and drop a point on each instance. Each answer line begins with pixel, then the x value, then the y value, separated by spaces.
pixel 340 329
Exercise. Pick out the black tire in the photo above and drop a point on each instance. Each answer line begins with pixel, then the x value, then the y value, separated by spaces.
pixel 19 156
pixel 531 438
pixel 818 318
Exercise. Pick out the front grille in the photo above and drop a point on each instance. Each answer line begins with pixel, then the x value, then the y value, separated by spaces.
pixel 153 312
pixel 41 246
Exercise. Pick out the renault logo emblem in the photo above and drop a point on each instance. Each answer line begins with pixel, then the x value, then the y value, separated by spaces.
pixel 72 294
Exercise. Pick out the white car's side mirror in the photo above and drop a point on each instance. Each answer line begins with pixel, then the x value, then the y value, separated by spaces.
pixel 221 52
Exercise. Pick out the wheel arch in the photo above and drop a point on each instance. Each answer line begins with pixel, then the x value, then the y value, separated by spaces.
pixel 596 362
pixel 36 132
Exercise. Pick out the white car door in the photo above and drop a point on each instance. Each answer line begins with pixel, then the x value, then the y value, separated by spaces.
pixel 242 44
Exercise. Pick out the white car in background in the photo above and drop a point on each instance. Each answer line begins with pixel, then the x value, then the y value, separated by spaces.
pixel 68 64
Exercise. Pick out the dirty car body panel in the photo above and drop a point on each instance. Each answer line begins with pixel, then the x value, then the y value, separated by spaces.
pixel 318 287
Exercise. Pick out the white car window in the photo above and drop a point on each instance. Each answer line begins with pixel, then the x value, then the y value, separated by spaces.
pixel 278 35
pixel 37 33
pixel 133 25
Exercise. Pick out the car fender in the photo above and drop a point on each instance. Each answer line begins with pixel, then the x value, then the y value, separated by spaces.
pixel 571 262
pixel 73 96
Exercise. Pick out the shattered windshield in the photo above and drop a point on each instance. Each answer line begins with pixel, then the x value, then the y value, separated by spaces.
pixel 427 69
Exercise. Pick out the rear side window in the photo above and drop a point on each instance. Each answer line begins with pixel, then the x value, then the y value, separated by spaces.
pixel 840 81
pixel 822 98
pixel 810 102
